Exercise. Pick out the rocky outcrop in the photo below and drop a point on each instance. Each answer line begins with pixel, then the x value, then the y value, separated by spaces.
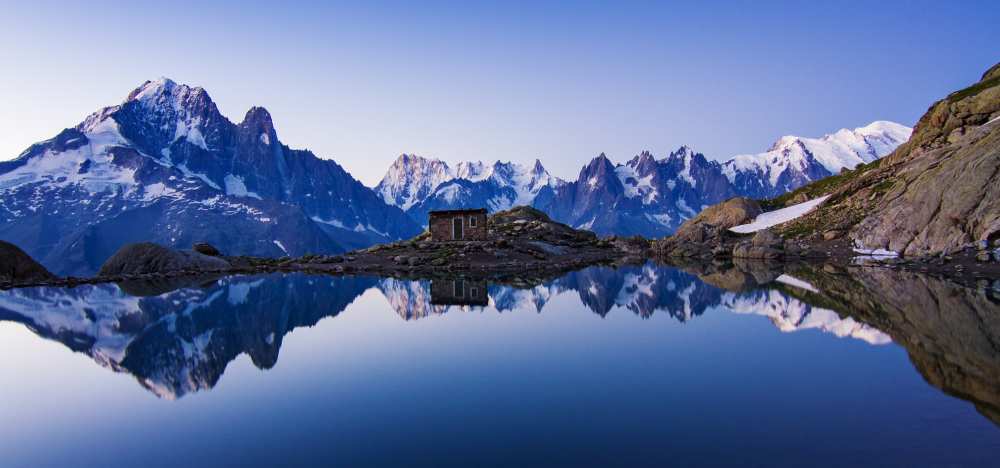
pixel 18 267
pixel 764 245
pixel 148 258
pixel 937 193
pixel 520 241
pixel 732 212
pixel 707 232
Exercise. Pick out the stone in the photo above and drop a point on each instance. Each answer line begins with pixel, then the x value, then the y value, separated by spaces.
pixel 16 266
pixel 800 198
pixel 146 258
pixel 717 218
pixel 983 256
pixel 205 248
pixel 832 234
pixel 766 238
pixel 749 250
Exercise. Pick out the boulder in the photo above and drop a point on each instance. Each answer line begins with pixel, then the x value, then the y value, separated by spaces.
pixel 766 238
pixel 18 267
pixel 205 248
pixel 748 250
pixel 721 216
pixel 146 257
pixel 764 245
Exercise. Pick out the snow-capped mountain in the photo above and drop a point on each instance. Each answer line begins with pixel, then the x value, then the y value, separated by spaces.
pixel 419 185
pixel 795 161
pixel 412 179
pixel 165 166
pixel 645 195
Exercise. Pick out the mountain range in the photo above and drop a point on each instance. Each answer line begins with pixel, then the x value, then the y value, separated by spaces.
pixel 644 196
pixel 166 166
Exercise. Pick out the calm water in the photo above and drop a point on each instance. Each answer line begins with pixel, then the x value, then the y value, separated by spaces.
pixel 646 365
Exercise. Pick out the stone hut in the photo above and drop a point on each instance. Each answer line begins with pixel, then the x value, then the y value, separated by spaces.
pixel 456 225
pixel 459 292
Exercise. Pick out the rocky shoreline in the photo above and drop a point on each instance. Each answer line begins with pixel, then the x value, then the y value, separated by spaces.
pixel 707 237
pixel 523 243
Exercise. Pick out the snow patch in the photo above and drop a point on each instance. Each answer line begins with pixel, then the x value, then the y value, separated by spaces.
pixel 773 218
pixel 795 282
pixel 281 246
pixel 237 188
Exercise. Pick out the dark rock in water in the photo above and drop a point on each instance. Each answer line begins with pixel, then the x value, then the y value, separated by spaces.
pixel 207 249
pixel 145 258
pixel 18 267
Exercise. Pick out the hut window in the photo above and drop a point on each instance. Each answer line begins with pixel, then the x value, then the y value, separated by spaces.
pixel 472 221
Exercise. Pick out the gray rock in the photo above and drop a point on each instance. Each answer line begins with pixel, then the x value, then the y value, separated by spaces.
pixel 766 238
pixel 205 248
pixel 18 267
pixel 749 250
pixel 146 258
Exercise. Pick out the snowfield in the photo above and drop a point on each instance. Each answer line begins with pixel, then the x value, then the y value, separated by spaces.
pixel 773 218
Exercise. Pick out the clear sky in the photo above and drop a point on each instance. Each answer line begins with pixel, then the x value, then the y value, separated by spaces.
pixel 363 82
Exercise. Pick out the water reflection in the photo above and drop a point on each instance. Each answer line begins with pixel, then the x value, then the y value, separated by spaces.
pixel 179 338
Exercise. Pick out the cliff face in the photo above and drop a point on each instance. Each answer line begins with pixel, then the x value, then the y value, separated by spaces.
pixel 938 192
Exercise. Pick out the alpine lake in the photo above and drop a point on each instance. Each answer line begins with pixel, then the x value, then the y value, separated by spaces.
pixel 742 364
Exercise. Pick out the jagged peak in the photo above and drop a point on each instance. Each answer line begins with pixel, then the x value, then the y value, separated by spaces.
pixel 258 122
pixel 405 159
pixel 599 163
pixel 152 90
pixel 257 115
pixel 537 168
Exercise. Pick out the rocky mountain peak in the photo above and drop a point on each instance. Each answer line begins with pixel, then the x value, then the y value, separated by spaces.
pixel 258 120
pixel 537 168
pixel 165 93
pixel 600 165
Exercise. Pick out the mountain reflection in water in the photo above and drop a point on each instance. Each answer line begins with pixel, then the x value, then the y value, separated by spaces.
pixel 179 338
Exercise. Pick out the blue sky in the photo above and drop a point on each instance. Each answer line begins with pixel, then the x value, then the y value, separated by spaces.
pixel 363 82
